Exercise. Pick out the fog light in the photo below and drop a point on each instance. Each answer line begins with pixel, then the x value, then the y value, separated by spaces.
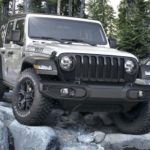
pixel 67 92
pixel 64 92
pixel 141 94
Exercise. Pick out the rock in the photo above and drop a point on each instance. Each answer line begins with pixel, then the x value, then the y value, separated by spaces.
pixel 58 112
pixel 5 104
pixel 66 136
pixel 99 136
pixel 123 141
pixel 81 147
pixel 86 138
pixel 75 137
pixel 92 120
pixel 8 97
pixel 2 118
pixel 7 114
pixel 100 147
pixel 70 121
pixel 74 117
pixel 3 137
pixel 105 117
pixel 33 138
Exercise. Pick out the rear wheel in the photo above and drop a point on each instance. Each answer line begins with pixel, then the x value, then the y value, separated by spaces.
pixel 136 121
pixel 29 106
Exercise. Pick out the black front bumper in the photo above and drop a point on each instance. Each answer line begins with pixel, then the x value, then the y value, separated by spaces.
pixel 89 98
pixel 101 93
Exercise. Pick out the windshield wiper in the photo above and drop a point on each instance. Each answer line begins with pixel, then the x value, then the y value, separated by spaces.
pixel 48 38
pixel 78 41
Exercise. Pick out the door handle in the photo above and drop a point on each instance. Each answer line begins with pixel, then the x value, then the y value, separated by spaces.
pixel 10 52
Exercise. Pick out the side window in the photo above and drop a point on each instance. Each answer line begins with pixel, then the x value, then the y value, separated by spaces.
pixel 20 27
pixel 9 32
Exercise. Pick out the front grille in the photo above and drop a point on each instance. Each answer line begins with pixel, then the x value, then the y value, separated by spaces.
pixel 99 68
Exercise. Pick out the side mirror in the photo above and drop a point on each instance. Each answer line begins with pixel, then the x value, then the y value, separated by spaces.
pixel 15 37
pixel 113 42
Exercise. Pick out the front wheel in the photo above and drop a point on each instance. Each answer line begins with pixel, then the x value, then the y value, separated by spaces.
pixel 29 106
pixel 136 121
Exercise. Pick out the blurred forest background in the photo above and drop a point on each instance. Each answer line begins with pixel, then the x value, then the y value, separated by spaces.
pixel 131 27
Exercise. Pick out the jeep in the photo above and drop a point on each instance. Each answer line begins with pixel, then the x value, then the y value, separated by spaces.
pixel 69 63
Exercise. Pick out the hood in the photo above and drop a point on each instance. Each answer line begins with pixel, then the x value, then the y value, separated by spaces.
pixel 48 48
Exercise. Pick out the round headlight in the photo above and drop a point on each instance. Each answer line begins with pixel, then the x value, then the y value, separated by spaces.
pixel 129 66
pixel 66 63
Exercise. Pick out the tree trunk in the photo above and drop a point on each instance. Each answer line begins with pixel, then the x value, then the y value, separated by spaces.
pixel 58 6
pixel 14 7
pixel 26 5
pixel 82 8
pixel 70 7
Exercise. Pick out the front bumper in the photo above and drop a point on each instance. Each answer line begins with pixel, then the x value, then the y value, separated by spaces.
pixel 102 93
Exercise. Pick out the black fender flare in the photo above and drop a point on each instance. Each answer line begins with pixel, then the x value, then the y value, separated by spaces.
pixel 30 61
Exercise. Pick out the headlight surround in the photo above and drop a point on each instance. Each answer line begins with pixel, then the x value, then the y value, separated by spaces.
pixel 66 63
pixel 130 66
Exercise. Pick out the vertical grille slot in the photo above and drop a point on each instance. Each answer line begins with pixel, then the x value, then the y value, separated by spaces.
pixel 122 69
pixel 115 69
pixel 85 67
pixel 101 68
pixel 108 68
pixel 78 67
pixel 93 68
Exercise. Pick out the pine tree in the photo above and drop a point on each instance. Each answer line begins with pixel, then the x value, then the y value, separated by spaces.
pixel 0 10
pixel 76 7
pixel 133 33
pixel 35 6
pixel 102 11
pixel 51 6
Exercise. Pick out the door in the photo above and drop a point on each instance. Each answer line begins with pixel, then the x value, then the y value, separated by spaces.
pixel 5 49
pixel 14 53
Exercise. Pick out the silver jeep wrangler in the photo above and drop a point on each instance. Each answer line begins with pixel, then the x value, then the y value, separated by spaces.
pixel 63 62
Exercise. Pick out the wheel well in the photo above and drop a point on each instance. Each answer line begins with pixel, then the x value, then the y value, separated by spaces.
pixel 26 65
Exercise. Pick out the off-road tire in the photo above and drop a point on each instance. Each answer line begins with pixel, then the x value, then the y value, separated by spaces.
pixel 41 106
pixel 140 125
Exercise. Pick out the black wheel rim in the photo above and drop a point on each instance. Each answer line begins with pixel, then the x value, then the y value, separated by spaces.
pixel 25 95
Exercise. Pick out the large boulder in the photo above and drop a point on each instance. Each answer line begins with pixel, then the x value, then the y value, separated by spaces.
pixel 70 133
pixel 6 113
pixel 3 137
pixel 33 138
pixel 126 142
pixel 80 146
pixel 21 137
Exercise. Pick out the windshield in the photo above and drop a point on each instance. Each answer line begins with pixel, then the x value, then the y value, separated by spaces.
pixel 66 30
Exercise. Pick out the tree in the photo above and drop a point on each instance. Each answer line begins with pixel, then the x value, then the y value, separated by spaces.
pixel 35 6
pixel 100 10
pixel 0 9
pixel 133 32
pixel 73 8
pixel 4 10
